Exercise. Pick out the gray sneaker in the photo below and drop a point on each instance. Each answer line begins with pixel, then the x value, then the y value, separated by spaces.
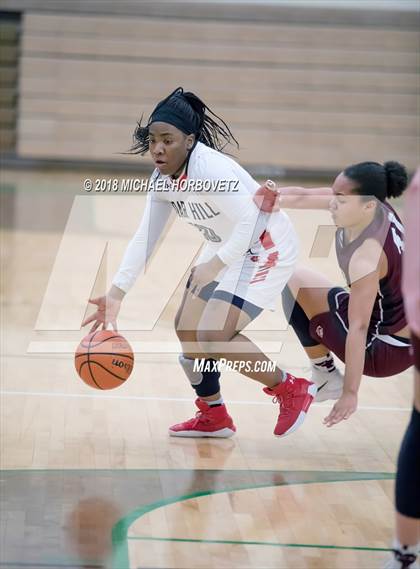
pixel 330 384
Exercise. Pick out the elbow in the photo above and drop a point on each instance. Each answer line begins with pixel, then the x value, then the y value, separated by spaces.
pixel 359 327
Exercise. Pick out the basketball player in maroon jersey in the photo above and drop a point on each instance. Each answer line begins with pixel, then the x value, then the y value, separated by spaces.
pixel 366 326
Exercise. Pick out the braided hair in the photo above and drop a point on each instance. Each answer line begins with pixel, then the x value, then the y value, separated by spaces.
pixel 191 115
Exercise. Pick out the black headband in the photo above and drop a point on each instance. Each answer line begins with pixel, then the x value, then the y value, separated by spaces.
pixel 175 114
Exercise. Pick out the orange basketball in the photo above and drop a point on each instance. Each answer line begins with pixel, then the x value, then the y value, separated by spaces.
pixel 104 359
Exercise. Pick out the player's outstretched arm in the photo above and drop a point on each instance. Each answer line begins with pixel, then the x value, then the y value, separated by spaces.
pixel 139 250
pixel 364 275
pixel 294 197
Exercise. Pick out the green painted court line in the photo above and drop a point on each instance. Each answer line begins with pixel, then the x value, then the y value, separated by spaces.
pixel 120 553
pixel 265 543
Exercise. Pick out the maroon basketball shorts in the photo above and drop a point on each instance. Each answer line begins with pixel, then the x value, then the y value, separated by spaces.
pixel 386 355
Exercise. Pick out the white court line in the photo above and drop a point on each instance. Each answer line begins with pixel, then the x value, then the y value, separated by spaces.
pixel 51 347
pixel 176 399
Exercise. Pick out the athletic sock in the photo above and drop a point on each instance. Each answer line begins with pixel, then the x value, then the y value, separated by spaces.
pixel 215 403
pixel 405 554
pixel 324 364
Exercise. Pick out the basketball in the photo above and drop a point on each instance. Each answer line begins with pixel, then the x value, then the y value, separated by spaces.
pixel 104 359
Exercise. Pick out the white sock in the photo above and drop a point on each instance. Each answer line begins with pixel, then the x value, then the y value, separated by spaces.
pixel 324 364
pixel 414 549
pixel 403 556
pixel 215 402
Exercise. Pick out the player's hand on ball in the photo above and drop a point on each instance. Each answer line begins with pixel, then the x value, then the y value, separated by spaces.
pixel 106 313
pixel 345 406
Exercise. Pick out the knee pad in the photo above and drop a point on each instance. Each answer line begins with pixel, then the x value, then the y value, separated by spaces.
pixel 297 318
pixel 407 488
pixel 202 374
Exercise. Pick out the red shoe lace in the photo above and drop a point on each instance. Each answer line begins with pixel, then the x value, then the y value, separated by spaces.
pixel 285 402
pixel 200 417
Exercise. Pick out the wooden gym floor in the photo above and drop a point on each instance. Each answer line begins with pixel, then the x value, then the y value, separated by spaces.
pixel 91 479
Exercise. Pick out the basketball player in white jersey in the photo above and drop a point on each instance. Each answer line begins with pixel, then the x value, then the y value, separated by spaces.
pixel 248 258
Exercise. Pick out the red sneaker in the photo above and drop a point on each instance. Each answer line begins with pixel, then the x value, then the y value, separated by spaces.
pixel 294 396
pixel 208 422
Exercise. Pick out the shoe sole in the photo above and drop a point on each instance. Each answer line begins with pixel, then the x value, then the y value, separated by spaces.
pixel 220 434
pixel 302 415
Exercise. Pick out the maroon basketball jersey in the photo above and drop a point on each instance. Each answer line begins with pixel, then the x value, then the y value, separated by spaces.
pixel 388 312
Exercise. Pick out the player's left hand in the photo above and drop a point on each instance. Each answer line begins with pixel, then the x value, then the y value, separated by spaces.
pixel 204 273
pixel 345 406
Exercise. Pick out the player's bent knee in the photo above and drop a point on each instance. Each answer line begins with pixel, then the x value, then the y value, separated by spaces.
pixel 212 342
pixel 186 335
pixel 207 345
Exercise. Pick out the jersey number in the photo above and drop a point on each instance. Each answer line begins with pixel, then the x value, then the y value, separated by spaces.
pixel 208 233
